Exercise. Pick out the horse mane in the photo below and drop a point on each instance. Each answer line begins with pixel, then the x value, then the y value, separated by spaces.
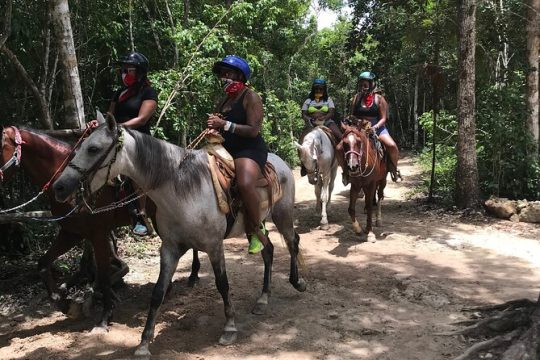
pixel 163 162
pixel 53 142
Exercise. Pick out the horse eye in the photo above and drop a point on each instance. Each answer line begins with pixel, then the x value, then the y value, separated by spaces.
pixel 93 149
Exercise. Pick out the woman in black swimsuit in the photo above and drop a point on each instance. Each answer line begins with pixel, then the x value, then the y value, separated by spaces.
pixel 241 119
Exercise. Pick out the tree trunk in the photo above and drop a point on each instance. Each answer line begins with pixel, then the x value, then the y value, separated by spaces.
pixel 73 100
pixel 152 27
pixel 533 48
pixel 415 107
pixel 7 24
pixel 467 187
pixel 173 27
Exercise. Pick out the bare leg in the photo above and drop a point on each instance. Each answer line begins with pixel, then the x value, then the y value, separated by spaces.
pixel 247 173
pixel 393 154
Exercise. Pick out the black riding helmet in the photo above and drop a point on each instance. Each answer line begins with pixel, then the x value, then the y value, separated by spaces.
pixel 136 59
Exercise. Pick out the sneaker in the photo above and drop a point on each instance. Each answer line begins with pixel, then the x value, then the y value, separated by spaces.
pixel 396 176
pixel 140 229
pixel 255 244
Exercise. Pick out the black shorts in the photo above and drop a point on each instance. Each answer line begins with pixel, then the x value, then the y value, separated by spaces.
pixel 258 155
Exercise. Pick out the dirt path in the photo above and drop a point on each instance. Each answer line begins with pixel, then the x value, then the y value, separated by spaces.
pixel 381 300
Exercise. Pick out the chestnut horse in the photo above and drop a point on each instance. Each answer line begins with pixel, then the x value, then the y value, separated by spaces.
pixel 367 172
pixel 41 156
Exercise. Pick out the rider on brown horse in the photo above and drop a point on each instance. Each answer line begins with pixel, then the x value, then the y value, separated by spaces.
pixel 372 107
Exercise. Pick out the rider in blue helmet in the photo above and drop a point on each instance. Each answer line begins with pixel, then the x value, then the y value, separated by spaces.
pixel 239 119
pixel 367 104
pixel 318 110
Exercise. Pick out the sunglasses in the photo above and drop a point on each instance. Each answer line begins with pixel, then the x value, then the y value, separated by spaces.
pixel 128 70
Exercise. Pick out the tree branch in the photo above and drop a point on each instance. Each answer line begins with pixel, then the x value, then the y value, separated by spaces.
pixel 45 118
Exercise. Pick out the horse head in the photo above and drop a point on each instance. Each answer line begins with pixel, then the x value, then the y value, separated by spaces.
pixel 309 153
pixel 355 145
pixel 11 149
pixel 93 163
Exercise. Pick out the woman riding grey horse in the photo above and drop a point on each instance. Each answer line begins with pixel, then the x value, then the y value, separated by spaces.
pixel 188 216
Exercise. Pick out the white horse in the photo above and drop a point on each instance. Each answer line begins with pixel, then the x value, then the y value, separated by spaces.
pixel 187 216
pixel 317 156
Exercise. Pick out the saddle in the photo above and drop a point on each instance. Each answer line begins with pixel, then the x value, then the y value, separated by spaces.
pixel 330 135
pixel 221 165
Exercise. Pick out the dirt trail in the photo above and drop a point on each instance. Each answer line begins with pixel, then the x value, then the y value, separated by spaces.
pixel 381 300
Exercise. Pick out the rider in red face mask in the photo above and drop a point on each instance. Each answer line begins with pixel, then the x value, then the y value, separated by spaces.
pixel 133 105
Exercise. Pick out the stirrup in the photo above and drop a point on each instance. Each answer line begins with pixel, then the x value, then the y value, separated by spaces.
pixel 396 175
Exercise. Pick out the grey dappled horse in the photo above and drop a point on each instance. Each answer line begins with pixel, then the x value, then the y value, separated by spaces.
pixel 317 156
pixel 187 216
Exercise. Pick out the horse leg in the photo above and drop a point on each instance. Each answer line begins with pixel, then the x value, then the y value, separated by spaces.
pixel 217 259
pixel 380 196
pixel 102 254
pixel 195 267
pixel 324 202
pixel 282 216
pixel 169 254
pixel 353 196
pixel 268 258
pixel 318 201
pixel 64 242
pixel 370 194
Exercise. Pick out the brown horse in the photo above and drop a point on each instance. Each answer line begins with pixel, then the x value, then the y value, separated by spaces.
pixel 41 156
pixel 367 171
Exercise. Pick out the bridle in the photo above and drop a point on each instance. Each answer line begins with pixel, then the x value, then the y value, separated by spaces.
pixel 361 172
pixel 88 174
pixel 16 157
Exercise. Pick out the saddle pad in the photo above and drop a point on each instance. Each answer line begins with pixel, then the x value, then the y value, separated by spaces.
pixel 221 165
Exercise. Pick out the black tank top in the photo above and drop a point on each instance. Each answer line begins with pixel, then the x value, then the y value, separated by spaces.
pixel 233 142
pixel 362 112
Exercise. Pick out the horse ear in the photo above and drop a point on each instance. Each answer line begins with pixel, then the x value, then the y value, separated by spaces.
pixel 99 117
pixel 111 121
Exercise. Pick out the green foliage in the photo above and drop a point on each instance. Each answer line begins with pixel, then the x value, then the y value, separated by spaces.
pixel 504 164
pixel 445 152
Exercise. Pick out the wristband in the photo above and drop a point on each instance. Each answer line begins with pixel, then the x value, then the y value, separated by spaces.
pixel 233 127
pixel 227 126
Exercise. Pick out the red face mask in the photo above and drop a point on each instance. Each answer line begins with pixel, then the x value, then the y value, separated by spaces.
pixel 232 87
pixel 129 79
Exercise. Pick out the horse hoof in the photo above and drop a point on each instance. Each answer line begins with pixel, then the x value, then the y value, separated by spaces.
pixel 228 338
pixel 301 285
pixel 324 227
pixel 142 350
pixel 99 330
pixel 192 281
pixel 362 236
pixel 357 228
pixel 259 309
pixel 371 237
